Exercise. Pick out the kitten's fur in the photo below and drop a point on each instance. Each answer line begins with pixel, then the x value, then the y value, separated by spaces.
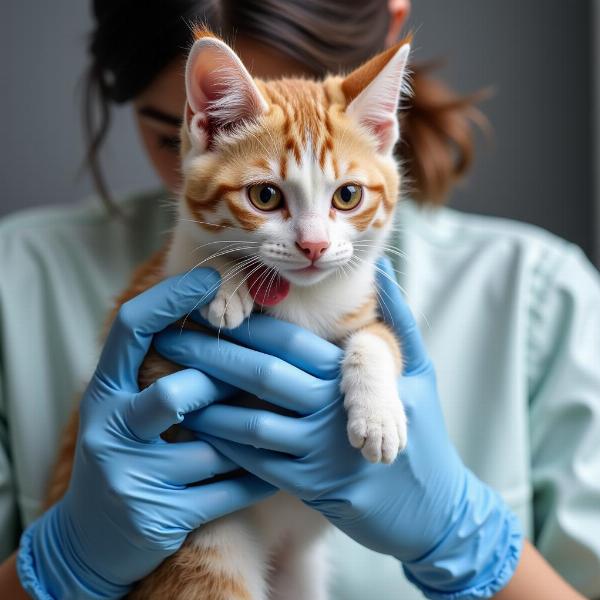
pixel 307 138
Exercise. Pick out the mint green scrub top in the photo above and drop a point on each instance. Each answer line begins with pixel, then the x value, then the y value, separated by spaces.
pixel 510 315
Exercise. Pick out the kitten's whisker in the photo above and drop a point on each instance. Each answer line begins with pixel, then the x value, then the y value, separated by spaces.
pixel 240 284
pixel 198 264
pixel 226 276
pixel 236 267
pixel 224 242
pixel 274 275
pixel 384 247
pixel 383 273
pixel 346 270
pixel 394 282
pixel 387 250
pixel 230 248
pixel 216 255
pixel 380 298
pixel 261 281
pixel 246 277
pixel 206 223
pixel 378 243
pixel 240 266
pixel 353 264
pixel 385 239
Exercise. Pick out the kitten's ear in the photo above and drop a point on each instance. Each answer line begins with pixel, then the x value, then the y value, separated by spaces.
pixel 220 91
pixel 373 93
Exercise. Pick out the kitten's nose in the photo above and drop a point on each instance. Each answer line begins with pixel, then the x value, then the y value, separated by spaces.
pixel 313 250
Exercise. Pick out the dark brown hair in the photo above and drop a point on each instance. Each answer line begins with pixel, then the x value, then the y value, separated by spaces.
pixel 132 43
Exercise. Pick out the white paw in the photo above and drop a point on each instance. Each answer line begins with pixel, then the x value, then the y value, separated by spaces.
pixel 377 427
pixel 230 307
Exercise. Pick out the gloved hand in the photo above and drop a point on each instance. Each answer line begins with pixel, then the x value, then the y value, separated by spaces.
pixel 454 535
pixel 128 506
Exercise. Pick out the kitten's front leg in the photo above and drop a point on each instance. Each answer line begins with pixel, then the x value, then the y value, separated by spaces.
pixel 376 418
pixel 232 303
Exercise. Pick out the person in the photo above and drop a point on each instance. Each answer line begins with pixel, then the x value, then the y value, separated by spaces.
pixel 501 380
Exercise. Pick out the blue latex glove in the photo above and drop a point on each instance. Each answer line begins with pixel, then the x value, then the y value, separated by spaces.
pixel 128 506
pixel 454 535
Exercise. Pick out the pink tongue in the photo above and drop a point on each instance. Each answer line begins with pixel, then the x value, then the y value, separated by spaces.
pixel 265 289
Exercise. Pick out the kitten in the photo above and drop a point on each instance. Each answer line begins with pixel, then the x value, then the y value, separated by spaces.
pixel 301 175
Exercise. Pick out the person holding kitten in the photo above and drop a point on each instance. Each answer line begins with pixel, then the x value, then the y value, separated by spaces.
pixel 502 394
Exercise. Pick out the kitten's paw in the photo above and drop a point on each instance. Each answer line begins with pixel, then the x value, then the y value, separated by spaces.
pixel 229 308
pixel 379 429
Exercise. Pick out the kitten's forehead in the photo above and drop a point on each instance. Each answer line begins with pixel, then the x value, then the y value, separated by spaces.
pixel 310 153
pixel 304 104
pixel 303 111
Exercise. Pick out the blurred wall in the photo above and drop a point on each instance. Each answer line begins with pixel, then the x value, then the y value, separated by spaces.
pixel 536 54
pixel 43 50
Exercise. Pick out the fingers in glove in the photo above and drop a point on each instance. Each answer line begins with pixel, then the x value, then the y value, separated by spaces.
pixel 256 428
pixel 185 463
pixel 293 344
pixel 263 375
pixel 202 504
pixel 169 399
pixel 139 319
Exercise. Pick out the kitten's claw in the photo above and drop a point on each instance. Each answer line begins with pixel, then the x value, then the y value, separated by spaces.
pixel 229 308
pixel 380 432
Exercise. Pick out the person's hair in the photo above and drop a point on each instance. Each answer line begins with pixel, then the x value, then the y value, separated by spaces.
pixel 132 43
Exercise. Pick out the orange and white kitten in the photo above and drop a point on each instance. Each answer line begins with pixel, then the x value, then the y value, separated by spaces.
pixel 289 192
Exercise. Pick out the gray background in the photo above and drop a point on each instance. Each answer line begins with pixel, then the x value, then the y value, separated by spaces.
pixel 537 54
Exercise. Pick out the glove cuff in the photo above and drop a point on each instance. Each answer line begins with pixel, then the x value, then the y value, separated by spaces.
pixel 48 568
pixel 478 556
pixel 26 569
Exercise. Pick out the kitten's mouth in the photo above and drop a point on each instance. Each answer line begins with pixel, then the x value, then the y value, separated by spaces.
pixel 267 287
pixel 310 269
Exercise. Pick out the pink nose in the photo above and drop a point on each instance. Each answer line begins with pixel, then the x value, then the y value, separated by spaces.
pixel 313 250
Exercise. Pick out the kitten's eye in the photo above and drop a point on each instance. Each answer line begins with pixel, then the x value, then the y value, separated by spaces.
pixel 347 196
pixel 265 196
